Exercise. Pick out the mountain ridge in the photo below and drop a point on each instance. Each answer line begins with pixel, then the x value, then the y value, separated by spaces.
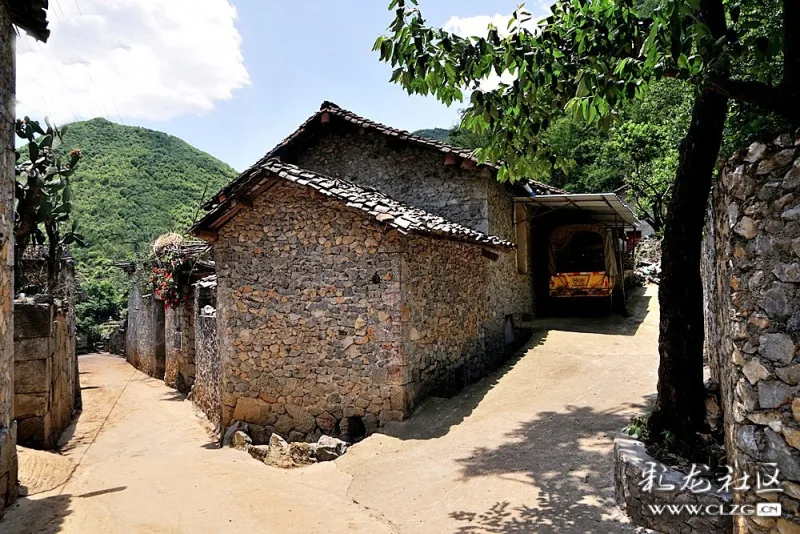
pixel 134 184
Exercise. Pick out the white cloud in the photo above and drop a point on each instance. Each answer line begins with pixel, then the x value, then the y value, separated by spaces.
pixel 150 59
pixel 478 26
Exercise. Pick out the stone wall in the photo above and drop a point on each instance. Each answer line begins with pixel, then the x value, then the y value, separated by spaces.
pixel 208 380
pixel 410 174
pixel 419 177
pixel 180 346
pixel 752 270
pixel 116 339
pixel 45 372
pixel 308 306
pixel 8 431
pixel 508 289
pixel 631 464
pixel 144 337
pixel 444 317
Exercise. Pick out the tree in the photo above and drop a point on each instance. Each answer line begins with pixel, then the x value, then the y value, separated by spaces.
pixel 590 58
pixel 646 157
pixel 104 302
pixel 43 198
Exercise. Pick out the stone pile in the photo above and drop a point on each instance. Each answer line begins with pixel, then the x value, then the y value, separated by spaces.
pixel 271 449
pixel 648 261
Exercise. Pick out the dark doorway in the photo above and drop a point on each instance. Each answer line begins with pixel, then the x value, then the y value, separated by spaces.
pixel 161 349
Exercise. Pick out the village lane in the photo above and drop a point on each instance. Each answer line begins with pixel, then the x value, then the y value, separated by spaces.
pixel 527 449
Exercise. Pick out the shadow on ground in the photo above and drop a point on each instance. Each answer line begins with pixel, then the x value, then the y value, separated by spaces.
pixel 46 515
pixel 570 319
pixel 436 415
pixel 568 458
pixel 174 396
pixel 42 516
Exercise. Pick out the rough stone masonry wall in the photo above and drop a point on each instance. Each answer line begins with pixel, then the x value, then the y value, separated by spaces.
pixel 407 173
pixel 140 342
pixel 8 431
pixel 509 291
pixel 180 349
pixel 419 177
pixel 45 372
pixel 208 380
pixel 752 271
pixel 308 314
pixel 444 311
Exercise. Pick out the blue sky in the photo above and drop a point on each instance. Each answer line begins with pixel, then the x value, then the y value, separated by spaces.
pixel 295 54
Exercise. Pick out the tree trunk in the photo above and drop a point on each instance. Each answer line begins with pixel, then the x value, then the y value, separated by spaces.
pixel 680 408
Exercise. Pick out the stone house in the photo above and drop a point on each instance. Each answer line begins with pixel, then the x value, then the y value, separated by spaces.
pixel 361 268
pixel 32 17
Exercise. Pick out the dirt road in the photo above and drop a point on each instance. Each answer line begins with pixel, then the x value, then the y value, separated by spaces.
pixel 526 450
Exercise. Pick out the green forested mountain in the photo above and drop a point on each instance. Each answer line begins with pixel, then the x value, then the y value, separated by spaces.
pixel 437 134
pixel 134 184
pixel 131 185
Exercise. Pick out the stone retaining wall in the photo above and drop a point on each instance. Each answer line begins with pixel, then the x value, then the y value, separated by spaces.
pixel 8 451
pixel 45 372
pixel 752 277
pixel 631 466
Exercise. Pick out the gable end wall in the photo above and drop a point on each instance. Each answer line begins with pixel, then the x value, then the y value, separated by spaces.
pixel 308 314
pixel 407 173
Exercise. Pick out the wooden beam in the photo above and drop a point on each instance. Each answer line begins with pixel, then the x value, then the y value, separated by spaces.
pixel 245 203
pixel 207 235
pixel 467 164
pixel 450 159
pixel 493 256
pixel 326 117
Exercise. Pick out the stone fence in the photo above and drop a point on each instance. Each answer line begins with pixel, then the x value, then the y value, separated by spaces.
pixel 46 383
pixel 752 283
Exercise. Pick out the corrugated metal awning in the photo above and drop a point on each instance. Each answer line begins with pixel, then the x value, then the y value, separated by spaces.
pixel 605 208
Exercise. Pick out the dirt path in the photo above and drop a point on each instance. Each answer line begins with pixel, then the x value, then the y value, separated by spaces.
pixel 525 450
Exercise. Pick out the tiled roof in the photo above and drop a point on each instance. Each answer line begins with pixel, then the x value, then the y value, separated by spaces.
pixel 400 135
pixel 406 219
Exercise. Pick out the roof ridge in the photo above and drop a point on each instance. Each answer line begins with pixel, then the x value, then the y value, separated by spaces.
pixel 385 209
pixel 353 118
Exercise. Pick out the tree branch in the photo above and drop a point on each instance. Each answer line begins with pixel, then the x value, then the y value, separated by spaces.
pixel 775 99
